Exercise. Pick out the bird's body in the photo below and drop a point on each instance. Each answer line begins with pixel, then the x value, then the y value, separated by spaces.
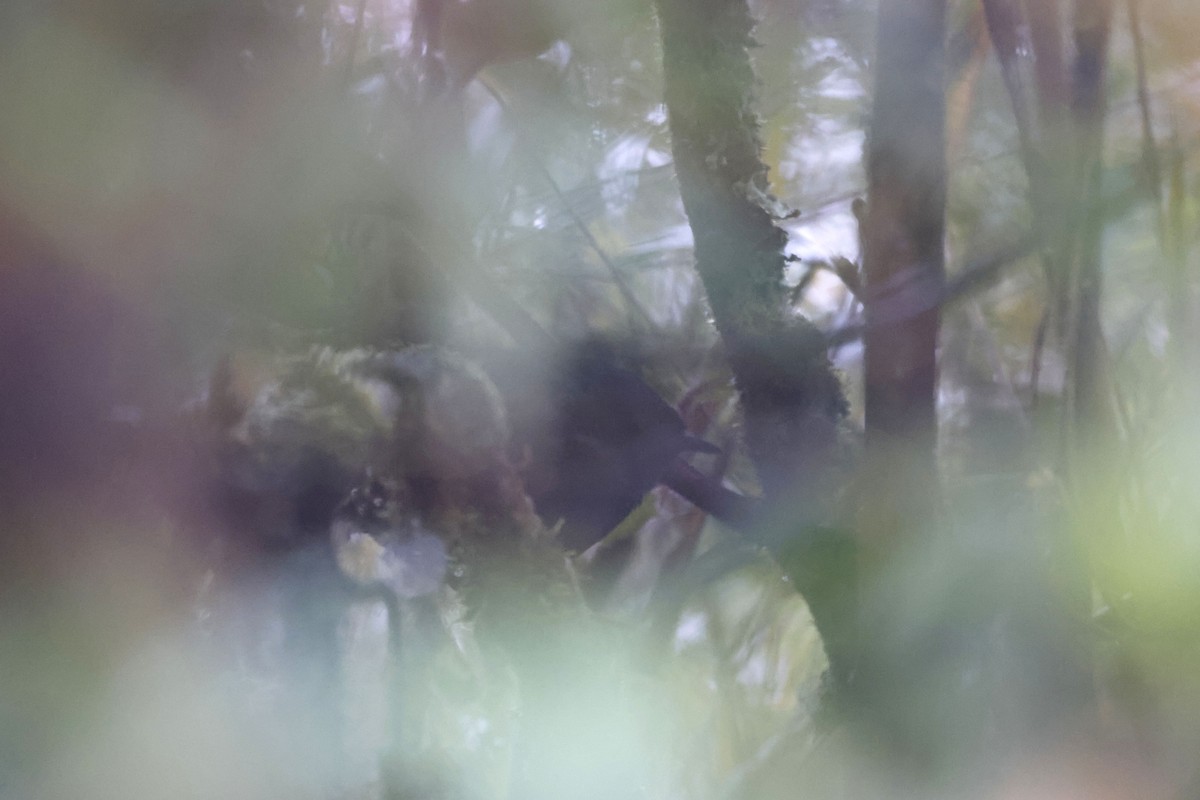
pixel 598 437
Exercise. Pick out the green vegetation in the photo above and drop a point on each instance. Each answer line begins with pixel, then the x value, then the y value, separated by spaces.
pixel 854 341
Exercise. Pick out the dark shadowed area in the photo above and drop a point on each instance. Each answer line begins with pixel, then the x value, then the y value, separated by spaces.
pixel 551 399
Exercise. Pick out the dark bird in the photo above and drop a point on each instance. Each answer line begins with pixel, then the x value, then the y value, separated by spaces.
pixel 597 439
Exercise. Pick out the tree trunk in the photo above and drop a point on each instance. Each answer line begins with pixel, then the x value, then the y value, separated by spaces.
pixel 1087 385
pixel 904 264
pixel 790 395
pixel 902 707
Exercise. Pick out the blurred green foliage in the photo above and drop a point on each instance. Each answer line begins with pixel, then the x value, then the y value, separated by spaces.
pixel 237 175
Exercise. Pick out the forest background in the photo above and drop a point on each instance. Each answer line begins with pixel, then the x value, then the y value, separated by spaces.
pixel 922 271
